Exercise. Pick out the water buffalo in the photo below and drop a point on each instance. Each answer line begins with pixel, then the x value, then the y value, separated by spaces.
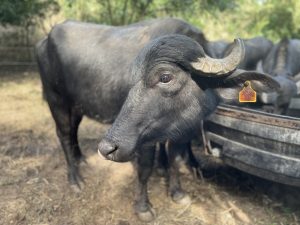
pixel 282 63
pixel 256 49
pixel 70 41
pixel 217 48
pixel 153 87
pixel 89 48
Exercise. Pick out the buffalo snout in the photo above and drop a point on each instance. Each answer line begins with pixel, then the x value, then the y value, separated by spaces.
pixel 110 150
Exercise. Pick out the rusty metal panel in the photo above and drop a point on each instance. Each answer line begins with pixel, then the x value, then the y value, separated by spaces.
pixel 268 131
pixel 244 114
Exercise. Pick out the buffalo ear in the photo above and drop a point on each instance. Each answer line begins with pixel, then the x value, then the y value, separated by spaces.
pixel 260 82
pixel 233 84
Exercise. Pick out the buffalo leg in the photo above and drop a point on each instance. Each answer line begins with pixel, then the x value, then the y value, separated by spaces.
pixel 175 151
pixel 193 163
pixel 145 161
pixel 162 160
pixel 67 121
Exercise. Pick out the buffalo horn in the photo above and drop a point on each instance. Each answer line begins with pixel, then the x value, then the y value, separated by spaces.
pixel 212 67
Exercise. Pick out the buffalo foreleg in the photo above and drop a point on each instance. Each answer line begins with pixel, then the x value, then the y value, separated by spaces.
pixel 144 166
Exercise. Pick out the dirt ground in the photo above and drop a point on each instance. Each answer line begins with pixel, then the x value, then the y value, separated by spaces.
pixel 34 188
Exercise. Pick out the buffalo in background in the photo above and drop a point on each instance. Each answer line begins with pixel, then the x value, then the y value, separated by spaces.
pixel 217 48
pixel 256 49
pixel 282 62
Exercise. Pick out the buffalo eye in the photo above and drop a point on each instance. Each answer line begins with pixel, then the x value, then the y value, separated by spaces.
pixel 165 78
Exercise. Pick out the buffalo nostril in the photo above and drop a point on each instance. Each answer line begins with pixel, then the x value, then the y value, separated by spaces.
pixel 113 148
pixel 106 148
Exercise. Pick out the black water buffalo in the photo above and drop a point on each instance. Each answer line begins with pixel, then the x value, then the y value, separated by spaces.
pixel 105 45
pixel 256 49
pixel 155 87
pixel 282 63
pixel 217 48
pixel 70 42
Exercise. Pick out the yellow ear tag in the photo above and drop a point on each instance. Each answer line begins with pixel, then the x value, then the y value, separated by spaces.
pixel 247 94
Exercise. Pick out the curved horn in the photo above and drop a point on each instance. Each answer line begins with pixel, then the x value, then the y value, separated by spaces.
pixel 213 67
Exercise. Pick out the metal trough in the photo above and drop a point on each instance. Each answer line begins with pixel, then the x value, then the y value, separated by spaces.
pixel 259 143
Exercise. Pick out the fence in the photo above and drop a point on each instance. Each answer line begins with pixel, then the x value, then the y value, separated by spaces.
pixel 16 48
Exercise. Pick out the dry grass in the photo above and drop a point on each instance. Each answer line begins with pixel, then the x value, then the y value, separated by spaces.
pixel 34 190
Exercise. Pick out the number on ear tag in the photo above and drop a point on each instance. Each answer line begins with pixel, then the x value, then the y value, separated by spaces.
pixel 247 94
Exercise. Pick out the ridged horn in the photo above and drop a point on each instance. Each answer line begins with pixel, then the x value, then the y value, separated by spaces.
pixel 212 67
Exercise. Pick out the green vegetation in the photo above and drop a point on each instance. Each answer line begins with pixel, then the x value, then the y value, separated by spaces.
pixel 219 19
pixel 26 12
